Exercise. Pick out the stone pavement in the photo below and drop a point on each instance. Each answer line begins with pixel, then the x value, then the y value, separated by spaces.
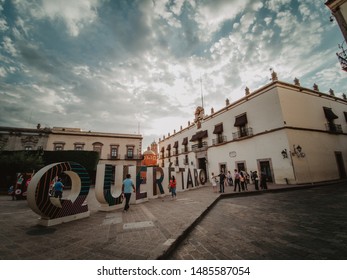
pixel 151 230
pixel 307 224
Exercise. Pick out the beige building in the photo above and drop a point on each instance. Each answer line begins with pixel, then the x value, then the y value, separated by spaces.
pixel 294 134
pixel 339 12
pixel 114 148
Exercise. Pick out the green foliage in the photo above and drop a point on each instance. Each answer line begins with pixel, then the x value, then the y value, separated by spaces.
pixel 21 161
pixel 88 159
pixel 27 161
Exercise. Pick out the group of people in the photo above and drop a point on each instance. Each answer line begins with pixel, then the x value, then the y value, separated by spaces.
pixel 18 190
pixel 240 180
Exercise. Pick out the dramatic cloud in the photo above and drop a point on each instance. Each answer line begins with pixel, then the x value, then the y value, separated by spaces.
pixel 143 66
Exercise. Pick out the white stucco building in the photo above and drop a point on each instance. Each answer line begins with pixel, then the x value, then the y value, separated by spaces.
pixel 295 134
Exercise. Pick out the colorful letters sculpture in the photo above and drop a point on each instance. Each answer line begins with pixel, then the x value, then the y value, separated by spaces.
pixel 149 183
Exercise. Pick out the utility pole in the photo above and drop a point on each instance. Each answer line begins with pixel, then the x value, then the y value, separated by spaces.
pixel 202 96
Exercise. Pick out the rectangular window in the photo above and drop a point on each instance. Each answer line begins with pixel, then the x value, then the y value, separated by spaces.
pixel 130 152
pixel 78 147
pixel 58 146
pixel 114 152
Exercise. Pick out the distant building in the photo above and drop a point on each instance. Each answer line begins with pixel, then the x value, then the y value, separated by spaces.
pixel 150 157
pixel 293 134
pixel 114 148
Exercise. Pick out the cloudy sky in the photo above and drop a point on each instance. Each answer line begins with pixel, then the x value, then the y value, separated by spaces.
pixel 142 66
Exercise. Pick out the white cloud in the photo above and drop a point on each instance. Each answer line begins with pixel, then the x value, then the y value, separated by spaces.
pixel 210 15
pixel 75 14
pixel 3 25
pixel 3 72
pixel 8 46
pixel 276 5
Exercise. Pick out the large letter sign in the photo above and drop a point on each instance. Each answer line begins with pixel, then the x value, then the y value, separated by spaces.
pixel 54 210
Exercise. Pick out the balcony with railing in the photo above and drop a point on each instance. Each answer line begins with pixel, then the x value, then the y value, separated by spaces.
pixel 110 156
pixel 246 132
pixel 219 140
pixel 133 157
pixel 333 128
pixel 199 147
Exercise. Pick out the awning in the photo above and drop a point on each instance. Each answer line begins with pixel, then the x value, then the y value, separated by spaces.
pixel 176 145
pixel 218 129
pixel 329 114
pixel 185 141
pixel 168 147
pixel 241 120
pixel 199 135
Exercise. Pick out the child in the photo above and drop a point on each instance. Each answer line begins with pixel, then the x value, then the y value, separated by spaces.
pixel 214 182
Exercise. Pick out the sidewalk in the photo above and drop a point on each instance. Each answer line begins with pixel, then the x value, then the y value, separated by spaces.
pixel 147 231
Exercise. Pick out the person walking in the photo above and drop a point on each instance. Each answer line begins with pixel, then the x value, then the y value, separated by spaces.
pixel 263 179
pixel 127 188
pixel 256 180
pixel 214 182
pixel 58 188
pixel 172 185
pixel 243 180
pixel 221 181
pixel 229 179
pixel 236 180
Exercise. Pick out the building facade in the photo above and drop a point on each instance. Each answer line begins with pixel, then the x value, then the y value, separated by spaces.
pixel 113 148
pixel 150 157
pixel 338 9
pixel 293 134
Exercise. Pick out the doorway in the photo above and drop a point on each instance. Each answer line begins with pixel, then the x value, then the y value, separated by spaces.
pixel 340 165
pixel 202 164
pixel 265 167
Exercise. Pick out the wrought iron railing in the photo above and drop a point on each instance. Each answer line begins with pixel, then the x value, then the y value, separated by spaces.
pixel 335 128
pixel 199 147
pixel 246 132
pixel 219 140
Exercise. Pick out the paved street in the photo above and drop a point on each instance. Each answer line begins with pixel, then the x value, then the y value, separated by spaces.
pixel 301 224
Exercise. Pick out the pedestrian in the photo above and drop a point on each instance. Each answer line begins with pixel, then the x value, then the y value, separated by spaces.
pixel 243 180
pixel 127 188
pixel 18 187
pixel 172 186
pixel 236 180
pixel 214 182
pixel 221 181
pixel 263 179
pixel 251 176
pixel 58 189
pixel 256 180
pixel 11 192
pixel 229 179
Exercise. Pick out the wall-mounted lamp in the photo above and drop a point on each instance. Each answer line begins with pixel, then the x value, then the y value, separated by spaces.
pixel 284 153
pixel 297 151
pixel 331 19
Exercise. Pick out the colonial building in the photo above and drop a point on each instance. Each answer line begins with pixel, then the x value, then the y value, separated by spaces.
pixel 294 134
pixel 150 157
pixel 114 148
pixel 339 12
pixel 16 139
